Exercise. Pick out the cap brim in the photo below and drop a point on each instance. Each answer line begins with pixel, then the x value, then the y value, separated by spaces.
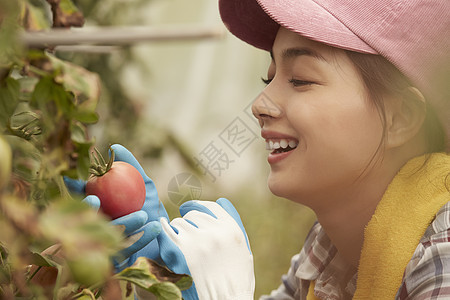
pixel 257 21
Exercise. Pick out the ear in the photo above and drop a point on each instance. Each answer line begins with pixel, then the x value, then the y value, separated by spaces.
pixel 405 116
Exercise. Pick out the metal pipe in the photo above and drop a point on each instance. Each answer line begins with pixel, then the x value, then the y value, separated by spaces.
pixel 117 36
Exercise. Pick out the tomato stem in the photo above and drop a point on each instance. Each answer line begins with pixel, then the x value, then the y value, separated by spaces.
pixel 111 159
pixel 99 166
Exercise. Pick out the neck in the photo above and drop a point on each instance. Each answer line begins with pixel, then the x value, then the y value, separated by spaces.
pixel 345 217
pixel 345 228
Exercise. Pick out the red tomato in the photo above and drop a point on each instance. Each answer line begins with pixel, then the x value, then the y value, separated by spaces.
pixel 121 190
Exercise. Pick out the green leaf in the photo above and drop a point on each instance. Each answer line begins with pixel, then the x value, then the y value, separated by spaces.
pixel 139 274
pixel 34 18
pixel 42 92
pixel 82 145
pixel 87 117
pixel 159 280
pixel 26 159
pixel 10 48
pixel 9 99
pixel 78 133
pixel 40 260
pixel 27 85
pixel 25 124
pixel 165 291
pixel 52 100
pixel 83 161
pixel 84 84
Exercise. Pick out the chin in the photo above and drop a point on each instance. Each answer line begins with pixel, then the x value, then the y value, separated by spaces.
pixel 279 187
pixel 289 189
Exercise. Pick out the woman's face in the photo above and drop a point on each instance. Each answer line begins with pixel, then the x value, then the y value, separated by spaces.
pixel 321 128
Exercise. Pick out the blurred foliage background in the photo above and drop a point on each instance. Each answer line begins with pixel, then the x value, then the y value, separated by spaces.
pixel 170 102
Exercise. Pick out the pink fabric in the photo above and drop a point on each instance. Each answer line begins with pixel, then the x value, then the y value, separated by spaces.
pixel 414 35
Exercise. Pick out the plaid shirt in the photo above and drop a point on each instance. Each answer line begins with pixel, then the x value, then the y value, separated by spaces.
pixel 427 275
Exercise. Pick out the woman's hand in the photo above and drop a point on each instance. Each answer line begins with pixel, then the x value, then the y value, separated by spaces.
pixel 209 242
pixel 139 227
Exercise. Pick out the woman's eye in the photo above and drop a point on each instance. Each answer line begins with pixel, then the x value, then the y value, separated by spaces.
pixel 266 81
pixel 296 82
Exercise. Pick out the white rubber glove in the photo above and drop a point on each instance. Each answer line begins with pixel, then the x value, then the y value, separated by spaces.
pixel 209 242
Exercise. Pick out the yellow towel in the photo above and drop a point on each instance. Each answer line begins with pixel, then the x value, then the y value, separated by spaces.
pixel 311 295
pixel 408 207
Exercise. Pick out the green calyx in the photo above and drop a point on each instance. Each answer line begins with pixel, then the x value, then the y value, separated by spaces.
pixel 99 166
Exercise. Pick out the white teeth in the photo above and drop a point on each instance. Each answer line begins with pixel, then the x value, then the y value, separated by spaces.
pixel 282 143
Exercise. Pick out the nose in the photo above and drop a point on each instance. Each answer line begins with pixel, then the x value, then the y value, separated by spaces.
pixel 264 107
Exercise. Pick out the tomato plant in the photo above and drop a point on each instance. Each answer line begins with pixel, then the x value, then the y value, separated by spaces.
pixel 119 186
pixel 46 106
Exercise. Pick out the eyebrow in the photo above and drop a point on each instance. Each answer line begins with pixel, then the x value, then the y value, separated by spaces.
pixel 291 53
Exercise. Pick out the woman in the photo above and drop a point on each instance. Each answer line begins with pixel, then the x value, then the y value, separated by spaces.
pixel 356 116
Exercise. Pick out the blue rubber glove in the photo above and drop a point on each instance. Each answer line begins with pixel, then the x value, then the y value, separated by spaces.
pixel 209 243
pixel 140 227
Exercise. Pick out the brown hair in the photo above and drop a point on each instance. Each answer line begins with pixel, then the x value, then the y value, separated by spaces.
pixel 383 78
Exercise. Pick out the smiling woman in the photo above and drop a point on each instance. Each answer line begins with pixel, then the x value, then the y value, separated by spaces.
pixel 360 117
pixel 356 118
pixel 337 129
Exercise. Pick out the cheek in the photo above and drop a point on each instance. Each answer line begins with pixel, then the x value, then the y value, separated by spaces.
pixel 352 120
pixel 363 128
pixel 338 138
pixel 351 141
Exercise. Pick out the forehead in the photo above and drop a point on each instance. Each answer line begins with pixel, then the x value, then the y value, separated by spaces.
pixel 286 40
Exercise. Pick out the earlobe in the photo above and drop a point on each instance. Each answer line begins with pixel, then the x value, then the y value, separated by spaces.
pixel 405 116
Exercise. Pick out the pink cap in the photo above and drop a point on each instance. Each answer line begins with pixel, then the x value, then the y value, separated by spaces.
pixel 414 35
